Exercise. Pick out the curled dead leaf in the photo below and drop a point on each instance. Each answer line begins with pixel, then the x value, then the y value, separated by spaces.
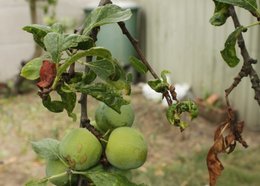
pixel 47 74
pixel 223 144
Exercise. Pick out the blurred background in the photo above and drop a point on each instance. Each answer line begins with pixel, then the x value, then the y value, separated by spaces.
pixel 176 35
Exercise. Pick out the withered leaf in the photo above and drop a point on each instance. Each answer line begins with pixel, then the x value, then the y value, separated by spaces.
pixel 47 74
pixel 223 144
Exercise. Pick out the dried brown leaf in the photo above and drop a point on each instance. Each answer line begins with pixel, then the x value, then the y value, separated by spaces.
pixel 47 74
pixel 223 144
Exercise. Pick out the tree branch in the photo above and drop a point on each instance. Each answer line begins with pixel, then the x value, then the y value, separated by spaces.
pixel 84 120
pixel 134 42
pixel 247 68
pixel 169 94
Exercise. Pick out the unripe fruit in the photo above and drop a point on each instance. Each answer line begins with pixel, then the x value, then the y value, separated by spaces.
pixel 126 148
pixel 55 167
pixel 80 148
pixel 107 118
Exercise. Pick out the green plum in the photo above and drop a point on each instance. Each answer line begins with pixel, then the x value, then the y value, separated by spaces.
pixel 107 118
pixel 126 148
pixel 81 149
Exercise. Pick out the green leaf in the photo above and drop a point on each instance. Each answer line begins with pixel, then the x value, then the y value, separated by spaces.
pixel 57 27
pixel 53 106
pixel 221 14
pixel 31 70
pixel 229 52
pixel 39 32
pixel 88 77
pixel 138 65
pixel 174 112
pixel 158 85
pixel 249 5
pixel 103 68
pixel 69 102
pixel 94 51
pixel 190 107
pixel 105 93
pixel 73 40
pixel 47 148
pixel 163 75
pixel 108 179
pixel 54 43
pixel 105 15
pixel 170 113
pixel 40 182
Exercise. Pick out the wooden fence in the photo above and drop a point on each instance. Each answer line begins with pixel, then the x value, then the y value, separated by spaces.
pixel 180 38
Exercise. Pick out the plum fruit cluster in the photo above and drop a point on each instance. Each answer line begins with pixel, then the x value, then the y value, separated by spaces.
pixel 125 147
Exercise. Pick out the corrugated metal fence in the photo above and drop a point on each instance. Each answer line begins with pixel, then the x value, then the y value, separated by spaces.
pixel 180 38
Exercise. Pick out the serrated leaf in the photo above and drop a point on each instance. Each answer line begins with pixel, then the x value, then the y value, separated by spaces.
pixel 174 112
pixel 53 106
pixel 190 107
pixel 105 93
pixel 54 43
pixel 57 27
pixel 88 77
pixel 40 182
pixel 119 79
pixel 39 32
pixel 170 113
pixel 31 70
pixel 164 77
pixel 103 68
pixel 108 179
pixel 138 65
pixel 221 14
pixel 47 148
pixel 158 85
pixel 94 51
pixel 105 15
pixel 249 5
pixel 73 40
pixel 229 52
pixel 69 102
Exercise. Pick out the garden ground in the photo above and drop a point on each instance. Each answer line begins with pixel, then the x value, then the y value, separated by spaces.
pixel 175 158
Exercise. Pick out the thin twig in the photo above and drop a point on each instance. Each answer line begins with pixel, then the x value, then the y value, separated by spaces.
pixel 134 42
pixel 169 95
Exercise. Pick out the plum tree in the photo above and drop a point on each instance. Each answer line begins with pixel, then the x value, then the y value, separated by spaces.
pixel 126 148
pixel 107 118
pixel 80 148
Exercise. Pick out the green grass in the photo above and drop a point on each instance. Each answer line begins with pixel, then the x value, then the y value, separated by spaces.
pixel 242 168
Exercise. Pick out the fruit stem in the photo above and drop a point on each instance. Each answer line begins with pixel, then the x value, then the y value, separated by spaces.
pixel 102 139
pixel 107 132
pixel 58 175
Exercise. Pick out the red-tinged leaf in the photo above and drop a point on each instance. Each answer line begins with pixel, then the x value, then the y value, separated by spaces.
pixel 47 74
